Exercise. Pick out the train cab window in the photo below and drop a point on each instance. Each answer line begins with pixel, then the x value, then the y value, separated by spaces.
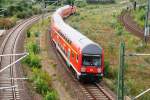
pixel 91 60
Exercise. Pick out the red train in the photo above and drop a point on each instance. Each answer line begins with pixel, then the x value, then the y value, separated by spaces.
pixel 84 56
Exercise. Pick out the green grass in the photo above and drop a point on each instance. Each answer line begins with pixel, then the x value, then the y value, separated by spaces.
pixel 100 23
pixel 139 16
pixel 38 78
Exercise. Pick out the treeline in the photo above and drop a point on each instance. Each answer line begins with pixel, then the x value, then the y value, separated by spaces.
pixel 21 8
pixel 12 10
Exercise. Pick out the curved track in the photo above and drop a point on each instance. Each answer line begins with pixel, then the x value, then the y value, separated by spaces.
pixel 131 25
pixel 9 47
pixel 93 91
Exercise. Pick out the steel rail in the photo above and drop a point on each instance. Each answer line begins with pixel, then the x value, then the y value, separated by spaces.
pixel 14 34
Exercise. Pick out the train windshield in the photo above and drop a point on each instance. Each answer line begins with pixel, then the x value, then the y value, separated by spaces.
pixel 91 60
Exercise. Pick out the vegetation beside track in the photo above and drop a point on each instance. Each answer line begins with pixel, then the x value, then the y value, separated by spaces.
pixel 11 11
pixel 100 23
pixel 139 16
pixel 38 78
pixel 140 13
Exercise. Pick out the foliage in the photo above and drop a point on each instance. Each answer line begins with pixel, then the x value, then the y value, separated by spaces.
pixel 139 16
pixel 43 82
pixel 140 47
pixel 33 48
pixel 51 96
pixel 41 74
pixel 41 86
pixel 33 61
pixel 119 30
pixel 70 2
pixel 39 79
pixel 24 14
pixel 36 34
pixel 107 68
pixel 6 23
pixel 28 33
pixel 37 9
pixel 21 8
pixel 81 3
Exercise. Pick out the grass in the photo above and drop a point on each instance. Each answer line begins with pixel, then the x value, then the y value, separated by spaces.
pixel 100 23
pixel 38 78
pixel 139 16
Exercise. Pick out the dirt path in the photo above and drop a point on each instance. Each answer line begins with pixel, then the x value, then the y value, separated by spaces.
pixel 48 66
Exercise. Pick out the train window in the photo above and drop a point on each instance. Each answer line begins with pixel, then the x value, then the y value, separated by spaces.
pixel 66 52
pixel 72 55
pixel 77 58
pixel 89 60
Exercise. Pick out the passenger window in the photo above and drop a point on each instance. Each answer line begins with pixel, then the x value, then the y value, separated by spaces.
pixel 77 58
pixel 72 54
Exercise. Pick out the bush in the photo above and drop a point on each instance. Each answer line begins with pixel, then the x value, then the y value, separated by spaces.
pixel 51 96
pixel 22 14
pixel 6 23
pixel 70 2
pixel 28 33
pixel 33 61
pixel 106 69
pixel 113 23
pixel 33 48
pixel 81 3
pixel 42 74
pixel 41 80
pixel 41 86
pixel 36 34
pixel 119 30
pixel 139 16
pixel 36 10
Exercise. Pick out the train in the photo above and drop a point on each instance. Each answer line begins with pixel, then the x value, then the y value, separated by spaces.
pixel 84 56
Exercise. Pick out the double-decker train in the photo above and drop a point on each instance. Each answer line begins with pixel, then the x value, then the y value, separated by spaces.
pixel 84 56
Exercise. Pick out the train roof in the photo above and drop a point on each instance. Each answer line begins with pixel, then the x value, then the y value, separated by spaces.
pixel 87 46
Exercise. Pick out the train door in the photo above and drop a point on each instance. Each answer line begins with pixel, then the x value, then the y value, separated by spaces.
pixel 68 56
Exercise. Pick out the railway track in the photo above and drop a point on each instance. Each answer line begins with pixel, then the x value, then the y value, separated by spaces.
pixel 9 46
pixel 91 91
pixel 96 91
pixel 131 25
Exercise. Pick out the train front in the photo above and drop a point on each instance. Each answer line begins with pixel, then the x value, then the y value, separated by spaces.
pixel 92 67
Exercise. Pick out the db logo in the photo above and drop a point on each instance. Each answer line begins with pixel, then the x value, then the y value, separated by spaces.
pixel 91 70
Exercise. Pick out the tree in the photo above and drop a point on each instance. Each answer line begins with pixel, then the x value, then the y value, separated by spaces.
pixel 70 2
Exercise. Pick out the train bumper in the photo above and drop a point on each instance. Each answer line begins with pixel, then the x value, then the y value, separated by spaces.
pixel 91 77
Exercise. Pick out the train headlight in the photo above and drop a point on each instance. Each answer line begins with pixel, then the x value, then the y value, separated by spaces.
pixel 83 69
pixel 99 70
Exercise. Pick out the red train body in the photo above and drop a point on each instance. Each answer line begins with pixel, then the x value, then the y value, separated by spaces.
pixel 84 56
